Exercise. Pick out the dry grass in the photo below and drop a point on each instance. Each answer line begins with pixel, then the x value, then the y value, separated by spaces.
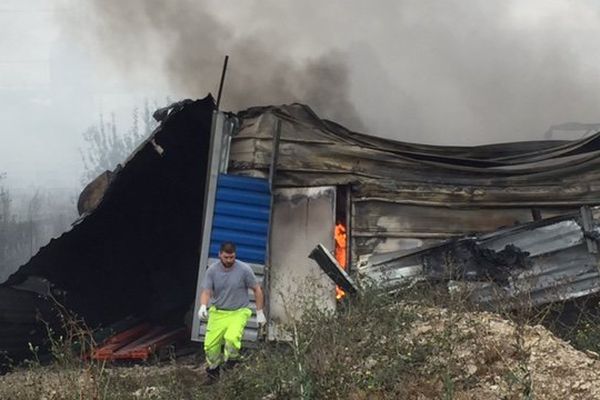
pixel 409 346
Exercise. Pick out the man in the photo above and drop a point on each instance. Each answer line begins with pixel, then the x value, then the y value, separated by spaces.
pixel 226 283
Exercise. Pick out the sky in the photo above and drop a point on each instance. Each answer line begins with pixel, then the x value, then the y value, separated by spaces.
pixel 453 72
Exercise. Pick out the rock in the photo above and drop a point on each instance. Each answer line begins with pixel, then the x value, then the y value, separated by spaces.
pixel 471 369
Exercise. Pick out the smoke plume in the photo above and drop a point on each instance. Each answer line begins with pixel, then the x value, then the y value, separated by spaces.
pixel 186 45
pixel 454 72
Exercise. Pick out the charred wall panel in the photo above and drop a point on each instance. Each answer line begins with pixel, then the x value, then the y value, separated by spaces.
pixel 302 218
pixel 368 246
pixel 22 317
pixel 137 252
pixel 373 217
pixel 387 227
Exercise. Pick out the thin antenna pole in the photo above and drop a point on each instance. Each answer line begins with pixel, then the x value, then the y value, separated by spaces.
pixel 222 81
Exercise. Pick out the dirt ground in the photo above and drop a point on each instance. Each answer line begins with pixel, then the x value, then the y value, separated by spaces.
pixel 487 357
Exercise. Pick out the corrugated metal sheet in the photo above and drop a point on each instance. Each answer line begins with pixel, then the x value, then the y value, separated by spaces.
pixel 332 268
pixel 559 263
pixel 23 315
pixel 242 210
pixel 318 152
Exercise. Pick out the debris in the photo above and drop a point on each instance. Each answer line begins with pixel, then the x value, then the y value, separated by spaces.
pixel 333 269
pixel 527 265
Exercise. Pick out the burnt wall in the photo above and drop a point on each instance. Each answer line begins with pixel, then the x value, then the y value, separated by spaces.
pixel 137 252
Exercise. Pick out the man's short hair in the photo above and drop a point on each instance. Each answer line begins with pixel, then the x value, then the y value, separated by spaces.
pixel 227 247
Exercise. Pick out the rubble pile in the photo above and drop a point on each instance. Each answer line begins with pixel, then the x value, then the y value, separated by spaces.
pixel 491 357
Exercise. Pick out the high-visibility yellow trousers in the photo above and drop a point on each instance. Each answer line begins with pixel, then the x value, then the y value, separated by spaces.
pixel 225 328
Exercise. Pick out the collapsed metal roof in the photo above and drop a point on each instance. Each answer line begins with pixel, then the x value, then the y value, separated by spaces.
pixel 319 152
pixel 137 251
pixel 546 261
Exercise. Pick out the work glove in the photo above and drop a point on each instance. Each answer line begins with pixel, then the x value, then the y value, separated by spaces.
pixel 260 317
pixel 202 312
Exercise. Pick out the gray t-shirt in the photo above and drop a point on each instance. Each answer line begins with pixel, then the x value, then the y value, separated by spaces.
pixel 229 286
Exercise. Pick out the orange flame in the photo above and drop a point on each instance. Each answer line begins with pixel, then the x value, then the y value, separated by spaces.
pixel 340 253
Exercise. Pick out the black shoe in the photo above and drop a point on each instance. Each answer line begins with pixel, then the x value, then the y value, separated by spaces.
pixel 212 375
pixel 230 364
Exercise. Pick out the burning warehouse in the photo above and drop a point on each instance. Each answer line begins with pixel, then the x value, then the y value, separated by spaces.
pixel 278 181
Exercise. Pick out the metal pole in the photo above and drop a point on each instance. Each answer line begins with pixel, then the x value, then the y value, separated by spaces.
pixel 212 177
pixel 222 81
pixel 274 153
pixel 267 270
pixel 587 219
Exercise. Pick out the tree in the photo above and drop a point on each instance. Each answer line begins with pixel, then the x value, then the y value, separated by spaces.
pixel 4 220
pixel 27 222
pixel 33 210
pixel 4 201
pixel 105 146
pixel 11 238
